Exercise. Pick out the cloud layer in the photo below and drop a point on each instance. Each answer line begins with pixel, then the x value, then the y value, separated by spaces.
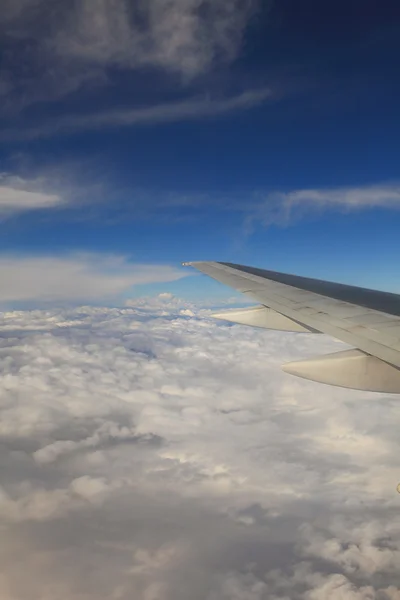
pixel 150 454
pixel 78 277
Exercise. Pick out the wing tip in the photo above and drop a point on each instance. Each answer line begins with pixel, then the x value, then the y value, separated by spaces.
pixel 195 263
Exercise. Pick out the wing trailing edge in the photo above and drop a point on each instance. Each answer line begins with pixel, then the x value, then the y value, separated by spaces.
pixel 264 317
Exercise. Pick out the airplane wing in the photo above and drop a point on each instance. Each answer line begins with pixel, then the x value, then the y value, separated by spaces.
pixel 368 320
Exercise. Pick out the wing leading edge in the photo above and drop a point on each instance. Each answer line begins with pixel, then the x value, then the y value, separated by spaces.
pixel 368 320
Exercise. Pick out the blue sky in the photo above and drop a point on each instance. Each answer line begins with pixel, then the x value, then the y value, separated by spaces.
pixel 263 133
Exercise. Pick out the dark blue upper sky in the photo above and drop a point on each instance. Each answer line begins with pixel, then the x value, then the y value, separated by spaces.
pixel 264 133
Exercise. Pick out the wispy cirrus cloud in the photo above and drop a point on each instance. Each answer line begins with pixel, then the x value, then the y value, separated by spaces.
pixel 191 109
pixel 349 197
pixel 66 46
pixel 285 207
pixel 185 36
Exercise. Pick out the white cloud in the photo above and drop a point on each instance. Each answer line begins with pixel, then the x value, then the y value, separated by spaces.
pixel 76 44
pixel 163 113
pixel 107 432
pixel 167 305
pixel 168 457
pixel 355 553
pixel 19 195
pixel 338 586
pixel 283 207
pixel 235 586
pixel 75 277
pixel 350 197
pixel 186 36
pixel 41 504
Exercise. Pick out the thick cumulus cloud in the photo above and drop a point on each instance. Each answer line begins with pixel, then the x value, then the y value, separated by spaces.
pixel 152 453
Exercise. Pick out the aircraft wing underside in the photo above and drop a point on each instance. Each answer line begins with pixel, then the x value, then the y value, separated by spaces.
pixel 368 320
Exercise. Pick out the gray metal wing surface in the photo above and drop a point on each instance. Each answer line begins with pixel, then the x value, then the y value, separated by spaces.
pixel 368 320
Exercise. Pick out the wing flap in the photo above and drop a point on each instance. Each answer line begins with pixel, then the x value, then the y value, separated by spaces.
pixel 262 316
pixel 349 369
